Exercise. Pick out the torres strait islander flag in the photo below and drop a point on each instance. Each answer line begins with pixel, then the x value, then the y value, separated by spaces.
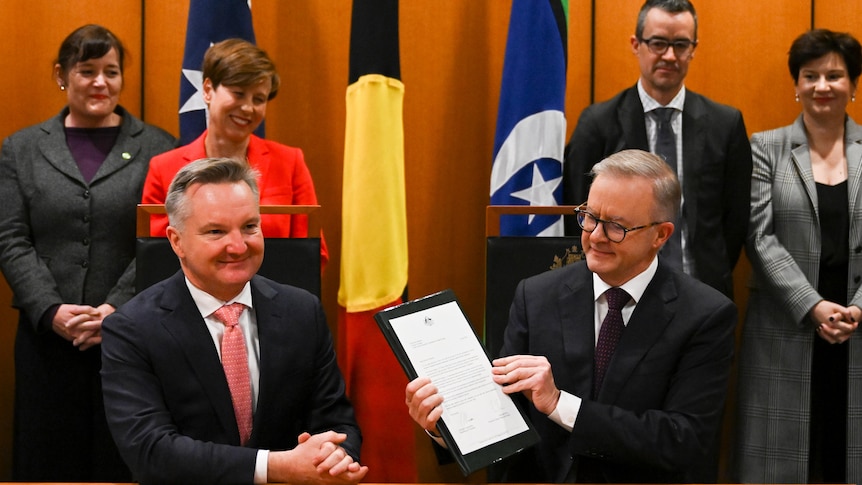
pixel 531 122
pixel 374 241
pixel 209 21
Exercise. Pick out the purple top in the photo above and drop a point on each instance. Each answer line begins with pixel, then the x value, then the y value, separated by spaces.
pixel 90 147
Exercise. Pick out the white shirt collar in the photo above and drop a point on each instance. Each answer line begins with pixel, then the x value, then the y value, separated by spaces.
pixel 207 303
pixel 635 287
pixel 649 103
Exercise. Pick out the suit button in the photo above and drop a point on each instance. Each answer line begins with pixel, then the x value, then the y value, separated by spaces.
pixel 87 218
pixel 86 241
pixel 858 249
pixel 857 279
pixel 86 194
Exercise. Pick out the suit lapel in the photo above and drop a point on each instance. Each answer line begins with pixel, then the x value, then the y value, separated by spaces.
pixel 577 316
pixel 853 149
pixel 121 154
pixel 801 159
pixel 185 323
pixel 632 122
pixel 651 316
pixel 695 120
pixel 269 317
pixel 56 151
pixel 258 156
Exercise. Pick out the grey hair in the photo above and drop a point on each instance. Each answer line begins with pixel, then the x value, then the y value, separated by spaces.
pixel 638 163
pixel 205 171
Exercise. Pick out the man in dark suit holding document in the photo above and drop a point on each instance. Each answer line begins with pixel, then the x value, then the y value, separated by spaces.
pixel 620 361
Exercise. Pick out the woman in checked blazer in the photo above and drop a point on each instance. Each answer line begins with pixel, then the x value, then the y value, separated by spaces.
pixel 800 407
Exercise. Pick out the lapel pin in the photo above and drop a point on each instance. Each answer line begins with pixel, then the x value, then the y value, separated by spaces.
pixel 127 155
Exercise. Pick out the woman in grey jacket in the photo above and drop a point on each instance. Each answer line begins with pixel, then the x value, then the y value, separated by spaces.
pixel 69 187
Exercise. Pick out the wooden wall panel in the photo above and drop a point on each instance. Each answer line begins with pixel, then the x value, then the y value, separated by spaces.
pixel 842 17
pixel 739 64
pixel 616 68
pixel 578 78
pixel 164 41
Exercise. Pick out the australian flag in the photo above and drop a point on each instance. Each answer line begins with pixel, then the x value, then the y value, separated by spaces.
pixel 531 122
pixel 210 21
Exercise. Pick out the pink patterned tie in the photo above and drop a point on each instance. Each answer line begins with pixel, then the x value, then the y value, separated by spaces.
pixel 234 358
pixel 609 335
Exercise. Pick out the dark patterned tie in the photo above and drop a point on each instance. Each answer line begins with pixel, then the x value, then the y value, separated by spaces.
pixel 665 147
pixel 609 335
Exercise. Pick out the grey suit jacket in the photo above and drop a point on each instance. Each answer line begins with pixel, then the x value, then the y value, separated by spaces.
pixel 775 359
pixel 63 239
pixel 167 399
pixel 661 401
pixel 716 168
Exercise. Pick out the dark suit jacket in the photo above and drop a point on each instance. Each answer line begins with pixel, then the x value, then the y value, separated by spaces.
pixel 660 405
pixel 167 399
pixel 716 173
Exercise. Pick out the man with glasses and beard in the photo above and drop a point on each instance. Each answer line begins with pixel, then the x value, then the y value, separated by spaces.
pixel 704 142
pixel 620 361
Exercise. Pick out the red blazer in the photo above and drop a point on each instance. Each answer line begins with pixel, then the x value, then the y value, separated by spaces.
pixel 284 180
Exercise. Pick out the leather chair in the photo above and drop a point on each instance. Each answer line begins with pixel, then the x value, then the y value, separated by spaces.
pixel 509 259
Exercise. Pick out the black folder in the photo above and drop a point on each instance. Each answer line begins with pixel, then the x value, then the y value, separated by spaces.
pixel 422 309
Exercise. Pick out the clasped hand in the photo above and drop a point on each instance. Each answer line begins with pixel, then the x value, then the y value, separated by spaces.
pixel 317 458
pixel 81 324
pixel 835 323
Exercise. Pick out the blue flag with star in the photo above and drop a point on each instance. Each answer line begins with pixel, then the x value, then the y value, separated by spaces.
pixel 531 122
pixel 209 21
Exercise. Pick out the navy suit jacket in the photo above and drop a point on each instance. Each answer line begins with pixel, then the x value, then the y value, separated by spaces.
pixel 167 399
pixel 716 173
pixel 660 405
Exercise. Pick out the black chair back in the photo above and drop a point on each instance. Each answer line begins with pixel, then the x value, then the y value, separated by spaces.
pixel 509 259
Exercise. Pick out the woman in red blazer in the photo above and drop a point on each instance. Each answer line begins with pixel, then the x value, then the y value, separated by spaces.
pixel 239 80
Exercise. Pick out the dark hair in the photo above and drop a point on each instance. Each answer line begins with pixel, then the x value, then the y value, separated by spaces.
pixel 88 42
pixel 816 43
pixel 238 62
pixel 205 171
pixel 670 6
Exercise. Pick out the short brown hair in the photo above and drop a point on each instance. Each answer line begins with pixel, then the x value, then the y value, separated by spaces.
pixel 238 62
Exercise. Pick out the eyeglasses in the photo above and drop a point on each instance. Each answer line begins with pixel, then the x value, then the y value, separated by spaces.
pixel 614 231
pixel 659 45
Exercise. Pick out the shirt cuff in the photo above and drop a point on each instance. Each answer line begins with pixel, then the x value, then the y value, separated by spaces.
pixel 566 412
pixel 260 467
pixel 437 439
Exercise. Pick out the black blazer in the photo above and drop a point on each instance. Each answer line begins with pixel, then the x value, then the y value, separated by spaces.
pixel 716 173
pixel 660 405
pixel 167 399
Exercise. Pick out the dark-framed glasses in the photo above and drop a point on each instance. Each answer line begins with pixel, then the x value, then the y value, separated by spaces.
pixel 659 45
pixel 614 231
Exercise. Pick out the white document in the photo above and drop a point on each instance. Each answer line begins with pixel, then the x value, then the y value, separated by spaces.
pixel 441 345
